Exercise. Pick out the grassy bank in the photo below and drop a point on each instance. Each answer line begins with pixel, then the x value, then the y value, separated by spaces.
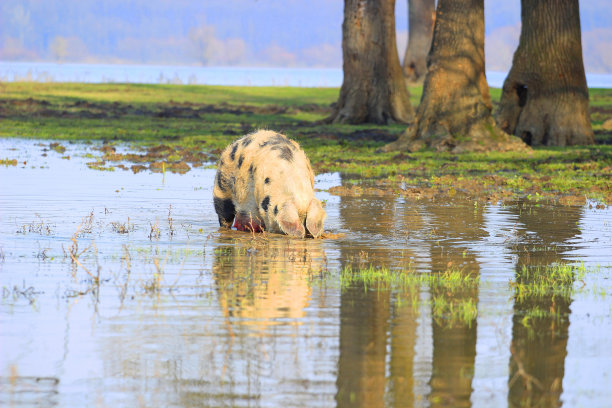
pixel 192 123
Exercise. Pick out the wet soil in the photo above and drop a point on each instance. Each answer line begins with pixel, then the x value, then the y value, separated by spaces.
pixel 415 185
pixel 85 109
pixel 158 159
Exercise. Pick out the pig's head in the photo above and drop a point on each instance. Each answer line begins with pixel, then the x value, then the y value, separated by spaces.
pixel 292 224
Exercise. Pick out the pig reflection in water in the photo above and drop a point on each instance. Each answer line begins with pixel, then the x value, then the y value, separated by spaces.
pixel 264 182
pixel 268 285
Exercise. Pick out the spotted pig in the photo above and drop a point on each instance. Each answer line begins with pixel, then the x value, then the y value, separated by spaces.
pixel 264 182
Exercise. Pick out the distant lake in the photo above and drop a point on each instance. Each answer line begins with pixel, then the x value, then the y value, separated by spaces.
pixel 166 74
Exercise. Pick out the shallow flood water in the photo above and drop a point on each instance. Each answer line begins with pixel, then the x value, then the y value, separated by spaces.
pixel 119 288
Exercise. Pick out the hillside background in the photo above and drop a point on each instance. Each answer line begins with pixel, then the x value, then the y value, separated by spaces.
pixel 284 33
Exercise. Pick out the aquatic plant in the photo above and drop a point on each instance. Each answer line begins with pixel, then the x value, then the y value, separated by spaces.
pixel 154 232
pixel 153 285
pixel 543 295
pixel 122 228
pixel 382 277
pixel 8 162
pixel 448 311
pixel 170 222
pixel 556 280
pixel 454 291
pixel 38 227
pixel 87 224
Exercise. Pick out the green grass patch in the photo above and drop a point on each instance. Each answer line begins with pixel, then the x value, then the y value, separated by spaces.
pixel 197 121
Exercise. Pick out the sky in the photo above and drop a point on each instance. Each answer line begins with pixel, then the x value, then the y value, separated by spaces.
pixel 283 33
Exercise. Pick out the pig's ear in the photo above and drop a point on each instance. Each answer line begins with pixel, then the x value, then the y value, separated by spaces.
pixel 315 216
pixel 289 221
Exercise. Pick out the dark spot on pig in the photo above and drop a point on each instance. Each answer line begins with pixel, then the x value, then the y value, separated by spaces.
pixel 265 203
pixel 252 170
pixel 275 141
pixel 285 152
pixel 232 184
pixel 221 181
pixel 240 160
pixel 233 153
pixel 267 180
pixel 276 210
pixel 225 210
pixel 280 139
pixel 246 141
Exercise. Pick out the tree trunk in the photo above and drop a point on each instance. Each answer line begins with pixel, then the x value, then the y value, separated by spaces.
pixel 374 90
pixel 455 110
pixel 421 16
pixel 545 99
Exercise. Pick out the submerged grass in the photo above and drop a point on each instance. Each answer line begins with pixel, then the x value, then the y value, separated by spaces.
pixel 543 294
pixel 186 126
pixel 384 278
pixel 454 292
pixel 557 280
pixel 39 226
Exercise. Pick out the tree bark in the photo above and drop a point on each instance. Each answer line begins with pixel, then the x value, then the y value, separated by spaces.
pixel 374 90
pixel 455 110
pixel 421 17
pixel 545 100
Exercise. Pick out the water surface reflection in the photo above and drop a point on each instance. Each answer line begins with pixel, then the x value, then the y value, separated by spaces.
pixel 539 342
pixel 202 317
